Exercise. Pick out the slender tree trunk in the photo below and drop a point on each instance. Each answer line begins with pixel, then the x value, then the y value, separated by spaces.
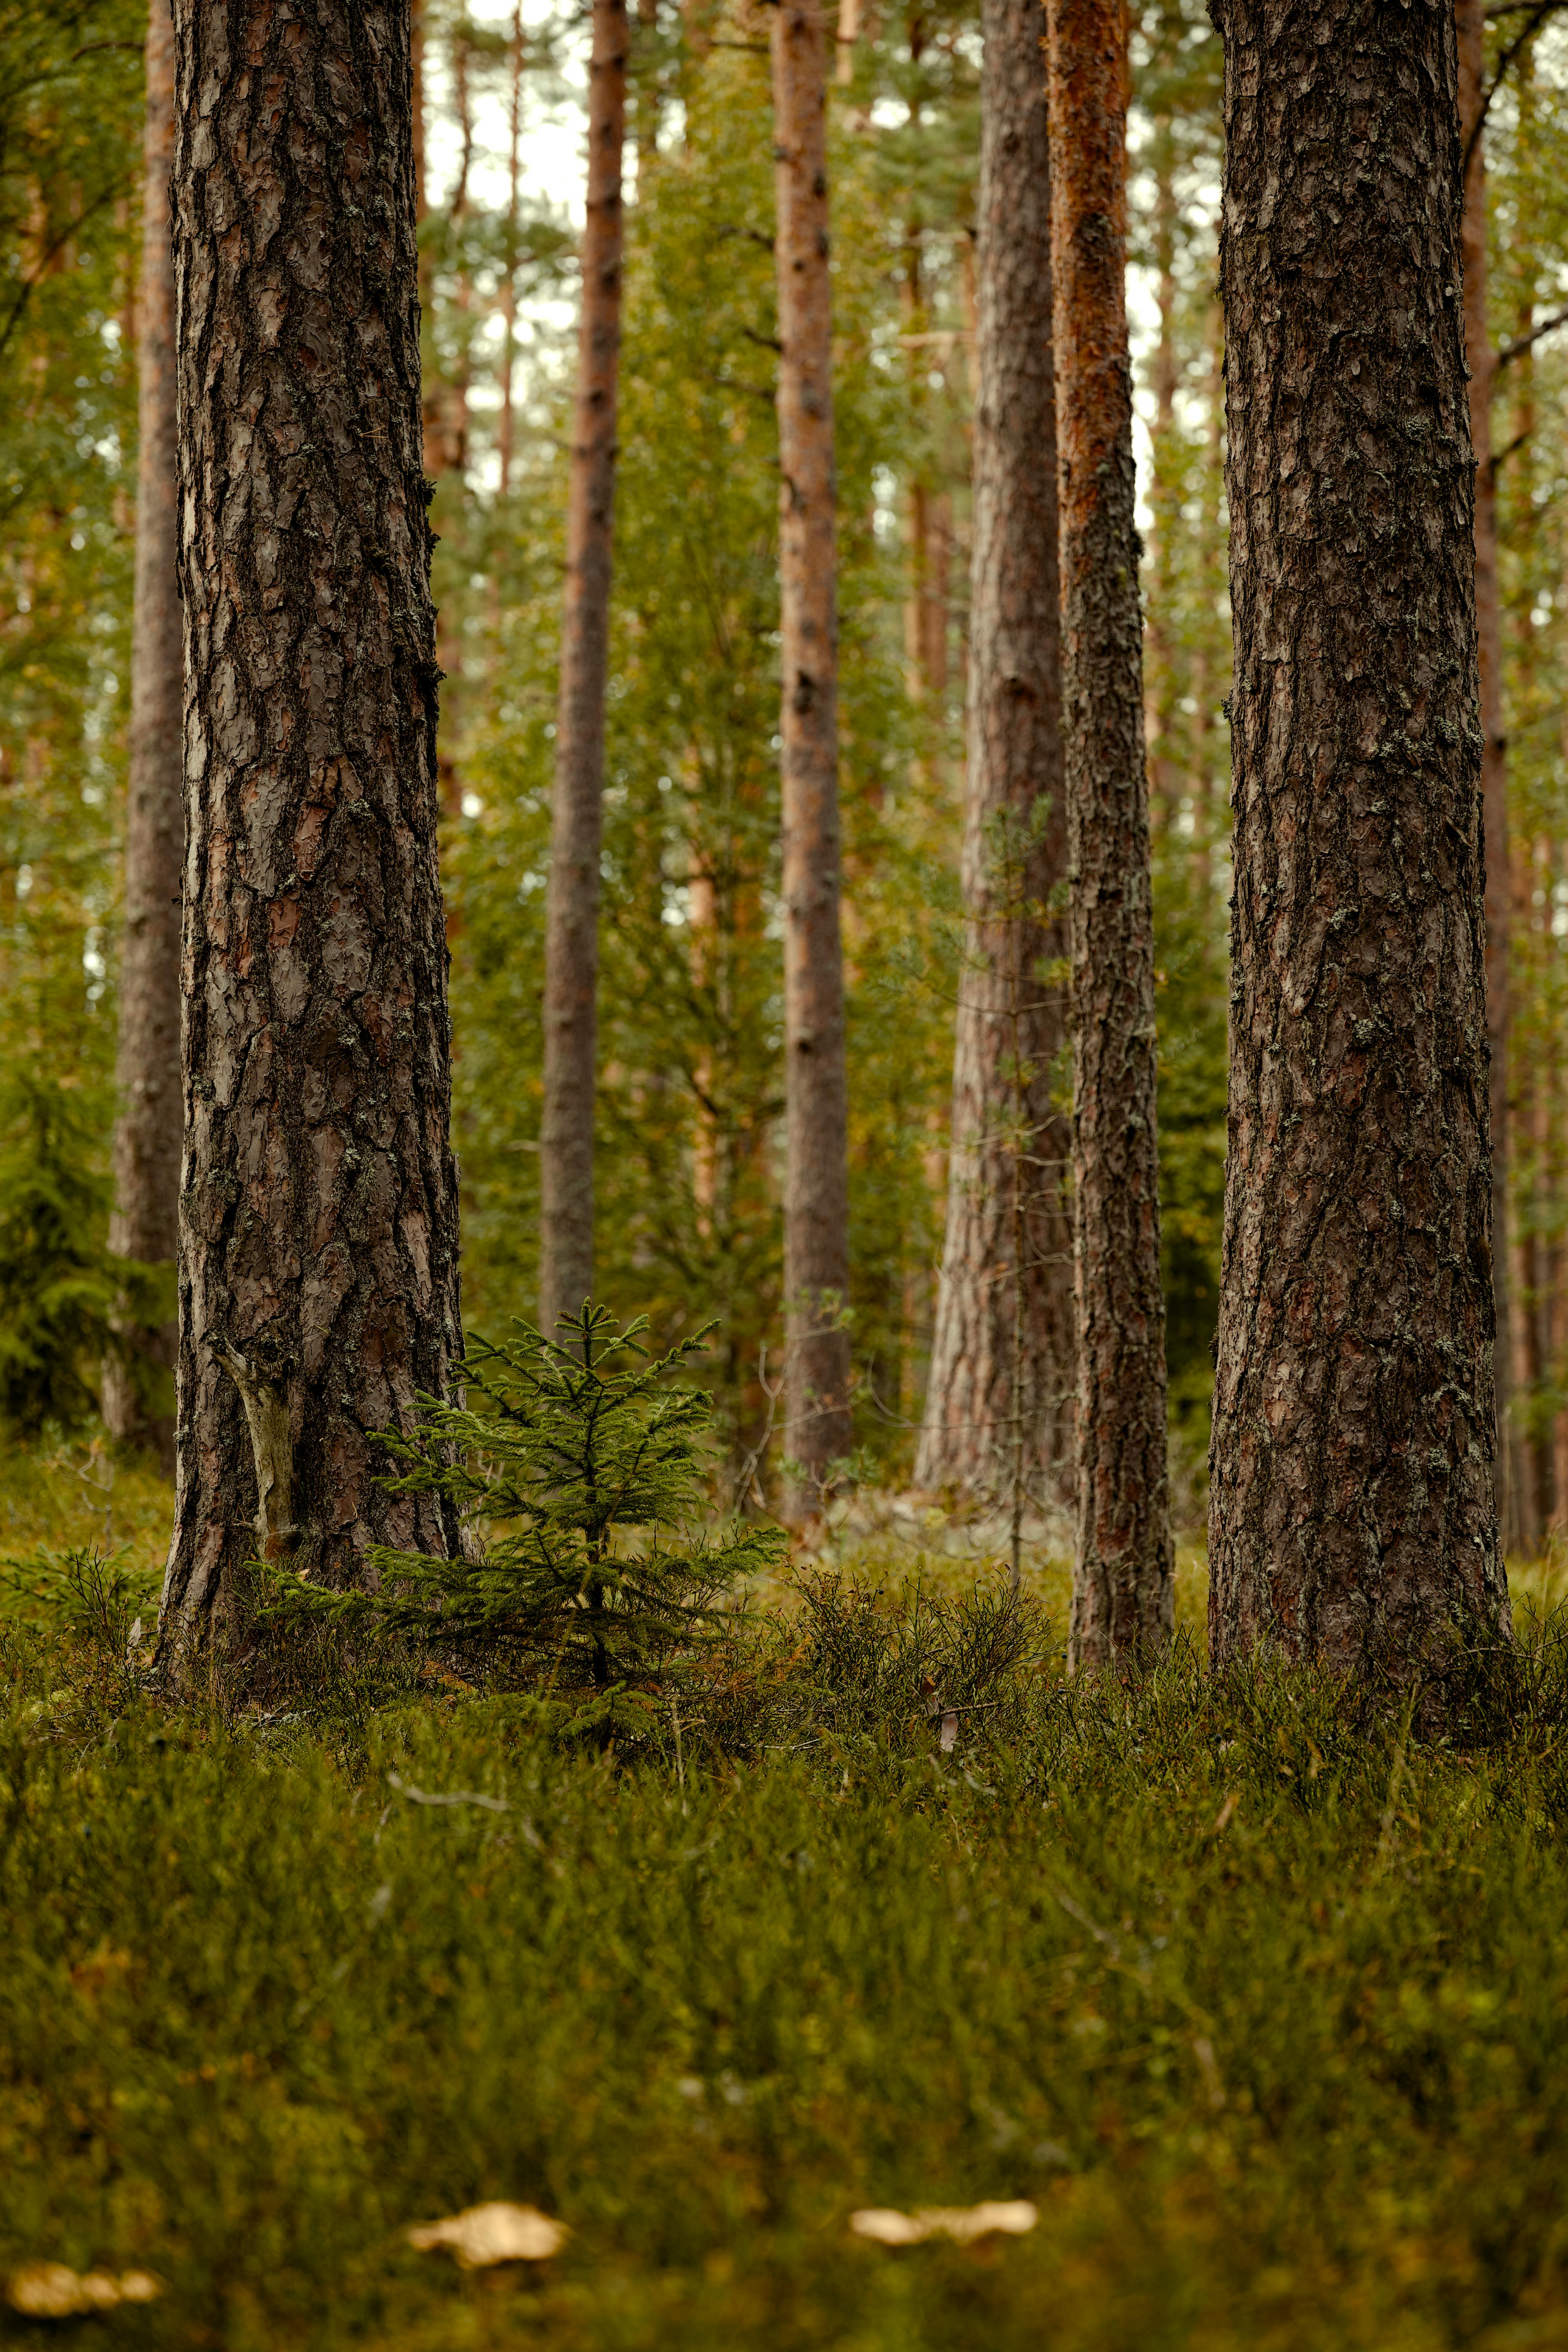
pixel 1533 1463
pixel 701 926
pixel 1470 18
pixel 817 1178
pixel 1121 1600
pixel 1159 687
pixel 1351 1495
pixel 572 930
pixel 138 1385
pixel 998 1401
pixel 430 379
pixel 1530 1177
pixel 451 439
pixel 649 92
pixel 318 1217
pixel 506 433
pixel 1557 1267
pixel 848 33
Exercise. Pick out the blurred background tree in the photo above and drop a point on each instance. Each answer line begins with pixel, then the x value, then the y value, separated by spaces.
pixel 691 1099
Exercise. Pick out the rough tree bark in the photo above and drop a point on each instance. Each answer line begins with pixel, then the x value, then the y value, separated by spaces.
pixel 572 919
pixel 319 1213
pixel 1121 1599
pixel 1352 1467
pixel 138 1403
pixel 998 1401
pixel 1470 18
pixel 817 1178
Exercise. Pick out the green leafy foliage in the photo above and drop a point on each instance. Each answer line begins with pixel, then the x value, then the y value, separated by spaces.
pixel 580 1469
pixel 57 1289
pixel 70 112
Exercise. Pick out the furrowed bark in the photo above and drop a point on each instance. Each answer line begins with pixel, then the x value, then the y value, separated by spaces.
pixel 998 1408
pixel 1121 1600
pixel 319 1215
pixel 816 1179
pixel 1471 19
pixel 572 922
pixel 138 1399
pixel 1351 1497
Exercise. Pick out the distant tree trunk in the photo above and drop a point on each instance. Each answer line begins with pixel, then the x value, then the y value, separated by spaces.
pixel 1530 1115
pixel 138 1401
pixel 430 382
pixel 1351 1490
pixel 816 1179
pixel 446 452
pixel 572 922
pixel 506 431
pixel 1470 17
pixel 1121 1602
pixel 648 108
pixel 998 1400
pixel 1160 683
pixel 319 1220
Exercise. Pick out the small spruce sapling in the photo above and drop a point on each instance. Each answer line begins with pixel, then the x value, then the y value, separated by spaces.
pixel 580 1467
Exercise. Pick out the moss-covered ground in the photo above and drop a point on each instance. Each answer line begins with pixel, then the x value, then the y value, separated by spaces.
pixel 1260 1996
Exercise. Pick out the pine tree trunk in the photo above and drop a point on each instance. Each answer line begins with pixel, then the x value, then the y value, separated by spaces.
pixel 647 106
pixel 998 1400
pixel 1121 1600
pixel 571 927
pixel 319 1218
pixel 506 431
pixel 1557 1185
pixel 817 1178
pixel 1351 1489
pixel 138 1399
pixel 1471 15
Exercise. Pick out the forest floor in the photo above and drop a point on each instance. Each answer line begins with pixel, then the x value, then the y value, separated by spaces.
pixel 1261 2000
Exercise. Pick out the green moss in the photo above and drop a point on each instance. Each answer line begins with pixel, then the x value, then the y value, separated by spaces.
pixel 1265 2010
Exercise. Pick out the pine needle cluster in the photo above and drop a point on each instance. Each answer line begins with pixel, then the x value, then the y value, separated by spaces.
pixel 577 1466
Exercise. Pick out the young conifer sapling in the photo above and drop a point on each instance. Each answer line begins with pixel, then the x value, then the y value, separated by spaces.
pixel 578 1468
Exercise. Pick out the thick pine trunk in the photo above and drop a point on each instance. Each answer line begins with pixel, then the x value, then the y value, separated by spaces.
pixel 1352 1496
pixel 319 1215
pixel 816 1179
pixel 138 1403
pixel 572 924
pixel 998 1402
pixel 1470 18
pixel 1121 1600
